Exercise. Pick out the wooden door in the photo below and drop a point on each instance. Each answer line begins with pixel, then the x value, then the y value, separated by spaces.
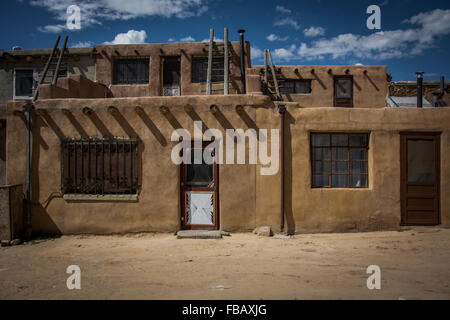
pixel 171 76
pixel 199 192
pixel 420 173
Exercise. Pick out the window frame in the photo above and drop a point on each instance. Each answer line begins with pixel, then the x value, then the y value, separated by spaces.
pixel 122 180
pixel 343 102
pixel 16 97
pixel 298 80
pixel 330 160
pixel 114 70
pixel 212 76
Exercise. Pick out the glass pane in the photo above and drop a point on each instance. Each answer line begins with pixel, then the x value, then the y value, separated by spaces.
pixel 321 167
pixel 340 166
pixel 358 140
pixel 24 83
pixel 339 181
pixel 321 181
pixel 320 140
pixel 358 167
pixel 343 88
pixel 358 154
pixel 420 160
pixel 340 154
pixel 321 154
pixel 201 174
pixel 200 208
pixel 357 180
pixel 340 140
pixel 303 86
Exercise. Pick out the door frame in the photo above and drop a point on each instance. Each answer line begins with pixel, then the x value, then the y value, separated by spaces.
pixel 184 188
pixel 414 135
pixel 163 59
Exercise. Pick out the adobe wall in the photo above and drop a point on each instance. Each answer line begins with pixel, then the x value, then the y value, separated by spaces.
pixel 156 52
pixel 247 199
pixel 369 90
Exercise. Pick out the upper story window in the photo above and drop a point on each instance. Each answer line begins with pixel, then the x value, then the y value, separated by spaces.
pixel 339 160
pixel 200 69
pixel 343 91
pixel 23 83
pixel 131 71
pixel 296 86
pixel 100 166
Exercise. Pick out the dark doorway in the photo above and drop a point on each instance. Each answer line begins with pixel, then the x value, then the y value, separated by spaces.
pixel 199 191
pixel 420 173
pixel 171 76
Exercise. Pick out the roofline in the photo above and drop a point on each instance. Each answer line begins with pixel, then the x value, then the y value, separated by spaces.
pixel 42 52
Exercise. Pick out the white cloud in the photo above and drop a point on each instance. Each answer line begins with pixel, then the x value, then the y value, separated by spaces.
pixel 131 37
pixel 171 40
pixel 287 21
pixel 314 31
pixel 274 37
pixel 283 9
pixel 82 44
pixel 215 40
pixel 256 53
pixel 380 45
pixel 187 39
pixel 95 11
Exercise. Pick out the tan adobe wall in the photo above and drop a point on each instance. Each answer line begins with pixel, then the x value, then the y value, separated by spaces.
pixel 156 52
pixel 369 90
pixel 247 199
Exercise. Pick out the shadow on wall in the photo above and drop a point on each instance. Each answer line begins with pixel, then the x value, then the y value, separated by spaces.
pixel 289 214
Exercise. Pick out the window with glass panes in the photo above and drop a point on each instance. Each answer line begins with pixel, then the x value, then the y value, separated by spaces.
pixel 296 86
pixel 200 69
pixel 131 70
pixel 339 160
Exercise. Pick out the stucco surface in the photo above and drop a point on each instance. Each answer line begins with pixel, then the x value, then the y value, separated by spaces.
pixel 247 198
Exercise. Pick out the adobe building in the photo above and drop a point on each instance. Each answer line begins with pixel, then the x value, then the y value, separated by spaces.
pixel 101 152
pixel 20 71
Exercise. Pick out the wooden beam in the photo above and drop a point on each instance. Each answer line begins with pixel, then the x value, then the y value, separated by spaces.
pixel 226 76
pixel 275 81
pixel 266 70
pixel 210 57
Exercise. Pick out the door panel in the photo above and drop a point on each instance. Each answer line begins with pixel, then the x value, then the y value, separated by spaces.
pixel 171 76
pixel 199 192
pixel 420 172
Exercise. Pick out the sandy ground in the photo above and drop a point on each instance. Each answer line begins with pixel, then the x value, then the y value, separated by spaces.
pixel 414 265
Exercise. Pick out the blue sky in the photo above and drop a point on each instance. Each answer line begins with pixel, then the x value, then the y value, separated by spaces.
pixel 414 35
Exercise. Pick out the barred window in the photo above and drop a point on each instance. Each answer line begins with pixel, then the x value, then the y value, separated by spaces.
pixel 131 71
pixel 296 86
pixel 99 166
pixel 339 160
pixel 200 69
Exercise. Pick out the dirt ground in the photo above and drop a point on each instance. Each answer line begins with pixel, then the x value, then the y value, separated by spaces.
pixel 414 265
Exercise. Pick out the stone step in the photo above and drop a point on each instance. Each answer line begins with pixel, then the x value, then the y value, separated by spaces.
pixel 200 234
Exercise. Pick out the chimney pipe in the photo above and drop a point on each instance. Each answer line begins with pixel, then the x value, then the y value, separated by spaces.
pixel 419 89
pixel 241 36
pixel 442 86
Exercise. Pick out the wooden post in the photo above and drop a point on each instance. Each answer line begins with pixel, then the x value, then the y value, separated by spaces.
pixel 47 65
pixel 225 62
pixel 274 75
pixel 61 55
pixel 266 81
pixel 210 57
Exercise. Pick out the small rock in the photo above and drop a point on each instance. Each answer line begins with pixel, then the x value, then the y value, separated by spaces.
pixel 265 231
pixel 5 243
pixel 281 236
pixel 225 234
pixel 222 287
pixel 15 242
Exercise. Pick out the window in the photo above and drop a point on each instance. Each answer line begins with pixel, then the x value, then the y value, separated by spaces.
pixel 23 83
pixel 131 71
pixel 339 160
pixel 343 91
pixel 200 69
pixel 296 86
pixel 99 166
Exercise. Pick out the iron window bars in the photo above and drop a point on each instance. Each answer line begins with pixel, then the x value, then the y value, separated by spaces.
pixel 200 69
pixel 100 166
pixel 131 70
pixel 339 160
pixel 295 86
